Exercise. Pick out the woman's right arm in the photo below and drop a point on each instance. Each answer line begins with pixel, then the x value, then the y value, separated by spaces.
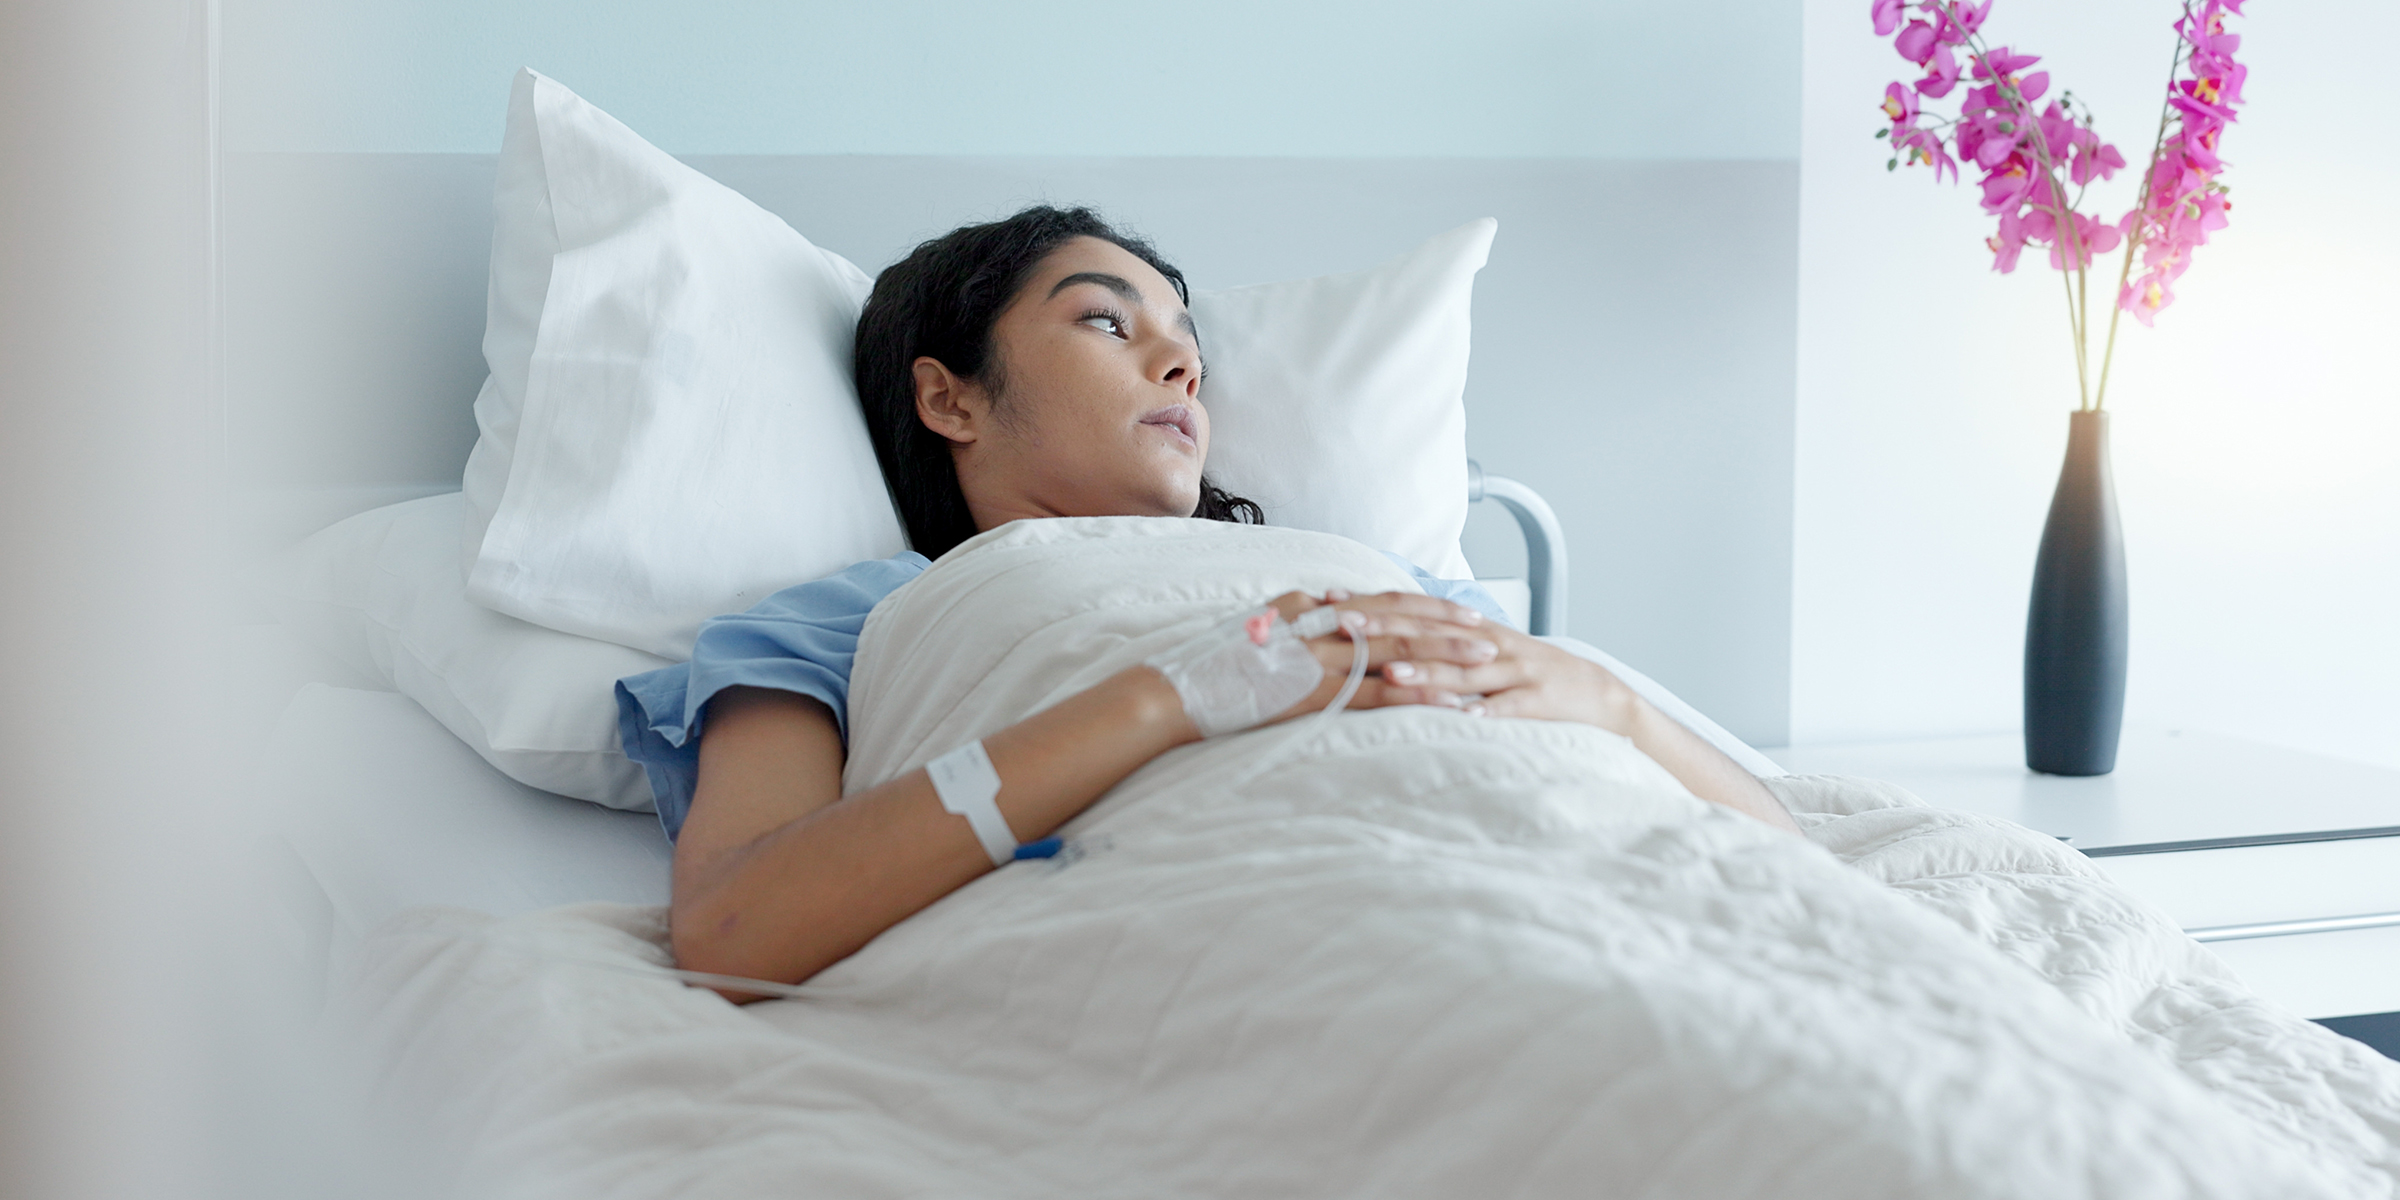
pixel 778 877
pixel 778 874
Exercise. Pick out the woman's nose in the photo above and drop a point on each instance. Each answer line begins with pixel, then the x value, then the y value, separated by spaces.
pixel 1181 369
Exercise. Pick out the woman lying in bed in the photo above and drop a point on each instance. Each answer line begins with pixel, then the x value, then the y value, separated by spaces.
pixel 1041 366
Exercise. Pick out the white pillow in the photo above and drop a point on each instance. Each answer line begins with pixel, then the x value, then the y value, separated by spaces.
pixel 383 593
pixel 524 240
pixel 670 431
pixel 685 439
pixel 1337 403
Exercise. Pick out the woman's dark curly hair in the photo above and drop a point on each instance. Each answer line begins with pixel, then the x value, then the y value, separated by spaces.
pixel 941 303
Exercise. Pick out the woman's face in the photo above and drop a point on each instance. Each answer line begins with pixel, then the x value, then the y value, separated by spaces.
pixel 1091 403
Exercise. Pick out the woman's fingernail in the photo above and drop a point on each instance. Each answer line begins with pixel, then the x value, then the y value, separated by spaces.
pixel 1469 616
pixel 1483 649
pixel 1401 671
pixel 1336 595
pixel 1473 710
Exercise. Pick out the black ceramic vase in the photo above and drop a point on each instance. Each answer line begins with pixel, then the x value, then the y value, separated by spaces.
pixel 2075 628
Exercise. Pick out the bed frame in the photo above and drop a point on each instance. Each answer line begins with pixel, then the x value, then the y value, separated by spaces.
pixel 1545 546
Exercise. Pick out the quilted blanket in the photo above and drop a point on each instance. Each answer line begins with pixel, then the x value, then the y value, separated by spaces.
pixel 1402 953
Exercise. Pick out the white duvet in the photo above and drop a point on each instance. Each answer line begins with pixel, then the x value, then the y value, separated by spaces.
pixel 1417 954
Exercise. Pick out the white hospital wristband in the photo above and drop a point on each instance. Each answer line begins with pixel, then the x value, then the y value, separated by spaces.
pixel 967 785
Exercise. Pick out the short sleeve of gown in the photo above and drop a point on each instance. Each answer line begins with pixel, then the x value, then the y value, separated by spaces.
pixel 801 639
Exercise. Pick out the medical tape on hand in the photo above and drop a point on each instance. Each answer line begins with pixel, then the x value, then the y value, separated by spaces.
pixel 1247 670
pixel 968 785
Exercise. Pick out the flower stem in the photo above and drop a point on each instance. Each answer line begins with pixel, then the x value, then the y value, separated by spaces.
pixel 2030 128
pixel 2141 207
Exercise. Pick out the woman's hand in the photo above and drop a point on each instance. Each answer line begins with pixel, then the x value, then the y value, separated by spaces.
pixel 1525 677
pixel 1397 627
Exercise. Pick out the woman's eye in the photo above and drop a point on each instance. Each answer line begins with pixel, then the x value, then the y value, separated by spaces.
pixel 1107 323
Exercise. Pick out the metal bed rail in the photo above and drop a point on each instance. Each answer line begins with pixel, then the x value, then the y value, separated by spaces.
pixel 1545 546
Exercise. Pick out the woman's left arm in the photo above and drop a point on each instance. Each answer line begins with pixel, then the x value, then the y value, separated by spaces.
pixel 1532 678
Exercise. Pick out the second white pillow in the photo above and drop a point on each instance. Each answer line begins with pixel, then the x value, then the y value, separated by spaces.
pixel 1338 403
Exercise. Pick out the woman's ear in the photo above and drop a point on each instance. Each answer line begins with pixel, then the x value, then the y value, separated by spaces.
pixel 949 405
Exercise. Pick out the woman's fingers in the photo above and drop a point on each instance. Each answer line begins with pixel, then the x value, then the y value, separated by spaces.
pixel 1460 649
pixel 1474 679
pixel 1403 611
pixel 1397 610
pixel 1409 606
pixel 1442 637
pixel 1463 649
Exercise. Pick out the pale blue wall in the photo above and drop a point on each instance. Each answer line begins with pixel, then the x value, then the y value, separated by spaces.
pixel 1495 78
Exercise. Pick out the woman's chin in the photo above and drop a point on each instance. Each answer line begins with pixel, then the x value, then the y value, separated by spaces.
pixel 1189 504
pixel 1168 502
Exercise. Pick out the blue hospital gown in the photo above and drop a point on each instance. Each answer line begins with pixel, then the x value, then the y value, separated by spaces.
pixel 802 640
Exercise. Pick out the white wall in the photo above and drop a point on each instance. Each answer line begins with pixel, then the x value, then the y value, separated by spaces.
pixel 1634 331
pixel 2257 434
pixel 1501 78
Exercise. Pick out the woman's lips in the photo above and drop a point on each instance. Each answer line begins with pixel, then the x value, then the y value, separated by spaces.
pixel 1176 417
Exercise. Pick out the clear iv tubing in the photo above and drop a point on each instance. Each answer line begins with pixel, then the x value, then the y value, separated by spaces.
pixel 788 991
pixel 1302 728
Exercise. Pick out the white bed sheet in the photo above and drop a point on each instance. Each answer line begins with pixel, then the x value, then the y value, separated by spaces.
pixel 1402 954
pixel 388 811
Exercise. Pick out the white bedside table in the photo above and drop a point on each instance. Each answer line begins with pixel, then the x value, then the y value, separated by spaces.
pixel 2288 863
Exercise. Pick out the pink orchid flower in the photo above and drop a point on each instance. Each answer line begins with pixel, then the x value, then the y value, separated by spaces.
pixel 1922 146
pixel 2007 243
pixel 1887 16
pixel 2037 224
pixel 1941 74
pixel 2030 155
pixel 2004 252
pixel 2144 298
pixel 1900 104
pixel 2094 159
pixel 2093 237
pixel 2210 99
pixel 1915 43
pixel 1965 19
pixel 2058 131
pixel 2003 63
pixel 1994 145
pixel 2005 188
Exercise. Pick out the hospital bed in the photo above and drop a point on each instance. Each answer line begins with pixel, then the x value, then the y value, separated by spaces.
pixel 379 808
pixel 1756 1009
